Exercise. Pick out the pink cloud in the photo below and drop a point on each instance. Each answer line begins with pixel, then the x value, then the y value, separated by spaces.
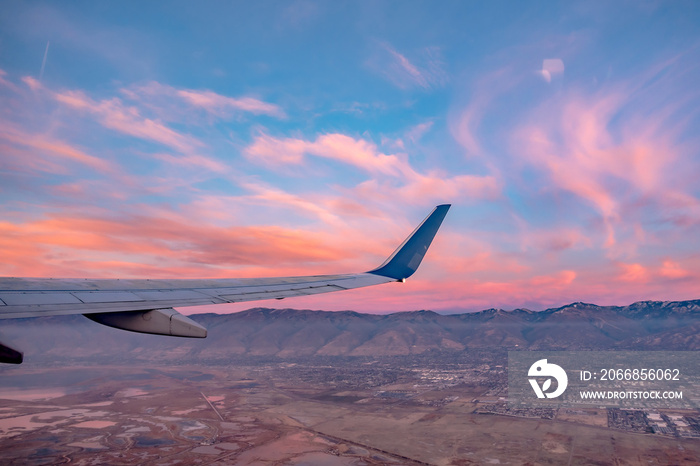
pixel 194 161
pixel 459 187
pixel 4 82
pixel 277 197
pixel 614 164
pixel 391 175
pixel 114 114
pixel 551 67
pixel 167 102
pixel 552 282
pixel 408 69
pixel 357 152
pixel 31 150
pixel 555 240
pixel 220 105
pixel 459 272
pixel 465 121
pixel 415 133
pixel 187 243
pixel 428 189
pixel 271 151
pixel 33 83
pixel 160 242
pixel 465 127
pixel 673 270
pixel 636 273
pixel 578 141
pixel 70 189
pixel 423 292
pixel 575 169
pixel 425 69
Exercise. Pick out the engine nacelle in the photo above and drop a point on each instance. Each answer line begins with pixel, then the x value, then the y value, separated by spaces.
pixel 156 322
pixel 10 355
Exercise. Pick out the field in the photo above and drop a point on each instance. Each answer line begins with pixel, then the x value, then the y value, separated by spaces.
pixel 277 414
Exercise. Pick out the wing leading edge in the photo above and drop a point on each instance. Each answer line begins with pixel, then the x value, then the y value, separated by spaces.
pixel 147 305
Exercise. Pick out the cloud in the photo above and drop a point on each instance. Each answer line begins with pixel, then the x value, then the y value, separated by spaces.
pixel 466 120
pixel 426 69
pixel 161 242
pixel 132 119
pixel 114 114
pixel 277 197
pixel 458 188
pixel 632 171
pixel 599 179
pixel 391 175
pixel 34 150
pixel 8 84
pixel 194 161
pixel 4 81
pixel 32 83
pixel 424 292
pixel 415 133
pixel 564 172
pixel 357 152
pixel 673 270
pixel 272 151
pixel 551 67
pixel 166 99
pixel 555 240
pixel 635 273
pixel 221 105
pixel 552 282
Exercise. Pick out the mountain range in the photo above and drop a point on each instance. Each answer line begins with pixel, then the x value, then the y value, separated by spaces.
pixel 289 333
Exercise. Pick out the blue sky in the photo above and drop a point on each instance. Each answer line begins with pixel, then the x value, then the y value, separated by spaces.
pixel 173 139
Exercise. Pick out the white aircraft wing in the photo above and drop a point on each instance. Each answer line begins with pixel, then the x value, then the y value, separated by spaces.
pixel 146 306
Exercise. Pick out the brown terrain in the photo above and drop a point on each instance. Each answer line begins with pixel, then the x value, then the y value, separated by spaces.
pixel 309 387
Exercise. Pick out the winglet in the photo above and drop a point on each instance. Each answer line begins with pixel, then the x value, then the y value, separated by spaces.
pixel 406 259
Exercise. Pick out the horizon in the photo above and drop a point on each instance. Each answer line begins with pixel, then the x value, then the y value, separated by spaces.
pixel 443 313
pixel 281 139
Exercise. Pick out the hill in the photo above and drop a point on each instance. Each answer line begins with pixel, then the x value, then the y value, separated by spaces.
pixel 289 333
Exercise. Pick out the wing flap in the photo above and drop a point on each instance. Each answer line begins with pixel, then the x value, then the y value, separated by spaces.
pixel 159 295
pixel 88 297
pixel 280 294
pixel 37 298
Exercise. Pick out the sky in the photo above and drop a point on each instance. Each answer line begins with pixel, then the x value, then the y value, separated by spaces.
pixel 245 139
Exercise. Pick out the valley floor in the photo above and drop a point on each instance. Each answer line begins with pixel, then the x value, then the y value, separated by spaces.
pixel 303 413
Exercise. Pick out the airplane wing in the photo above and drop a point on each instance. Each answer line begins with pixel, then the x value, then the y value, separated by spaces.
pixel 146 306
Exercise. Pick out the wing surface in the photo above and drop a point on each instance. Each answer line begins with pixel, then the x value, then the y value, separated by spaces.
pixel 32 297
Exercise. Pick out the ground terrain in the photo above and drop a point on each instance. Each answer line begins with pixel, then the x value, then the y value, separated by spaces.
pixel 279 387
pixel 297 413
